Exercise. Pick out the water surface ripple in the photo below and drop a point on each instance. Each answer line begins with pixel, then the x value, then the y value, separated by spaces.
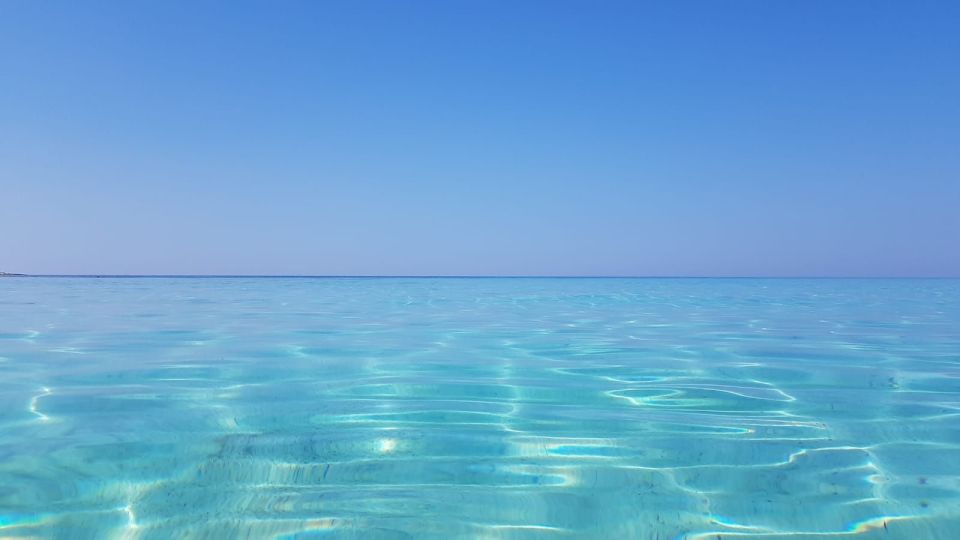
pixel 479 408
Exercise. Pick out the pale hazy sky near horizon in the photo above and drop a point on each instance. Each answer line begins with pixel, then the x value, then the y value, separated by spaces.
pixel 471 137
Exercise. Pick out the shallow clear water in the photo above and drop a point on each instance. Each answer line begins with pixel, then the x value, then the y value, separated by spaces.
pixel 480 408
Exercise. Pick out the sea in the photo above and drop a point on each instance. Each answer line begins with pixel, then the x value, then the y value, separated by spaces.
pixel 487 408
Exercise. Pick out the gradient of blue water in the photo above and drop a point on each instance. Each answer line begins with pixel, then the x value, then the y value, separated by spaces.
pixel 479 408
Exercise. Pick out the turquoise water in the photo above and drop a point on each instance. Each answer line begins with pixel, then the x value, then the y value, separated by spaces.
pixel 479 408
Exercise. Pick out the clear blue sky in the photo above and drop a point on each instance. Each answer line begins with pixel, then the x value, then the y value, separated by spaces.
pixel 480 137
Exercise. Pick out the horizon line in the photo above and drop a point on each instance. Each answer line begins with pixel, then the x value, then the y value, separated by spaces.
pixel 471 276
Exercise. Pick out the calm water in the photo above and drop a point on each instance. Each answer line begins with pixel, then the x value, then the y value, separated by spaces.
pixel 479 408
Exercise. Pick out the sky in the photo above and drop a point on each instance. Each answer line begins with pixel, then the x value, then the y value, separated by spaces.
pixel 467 137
